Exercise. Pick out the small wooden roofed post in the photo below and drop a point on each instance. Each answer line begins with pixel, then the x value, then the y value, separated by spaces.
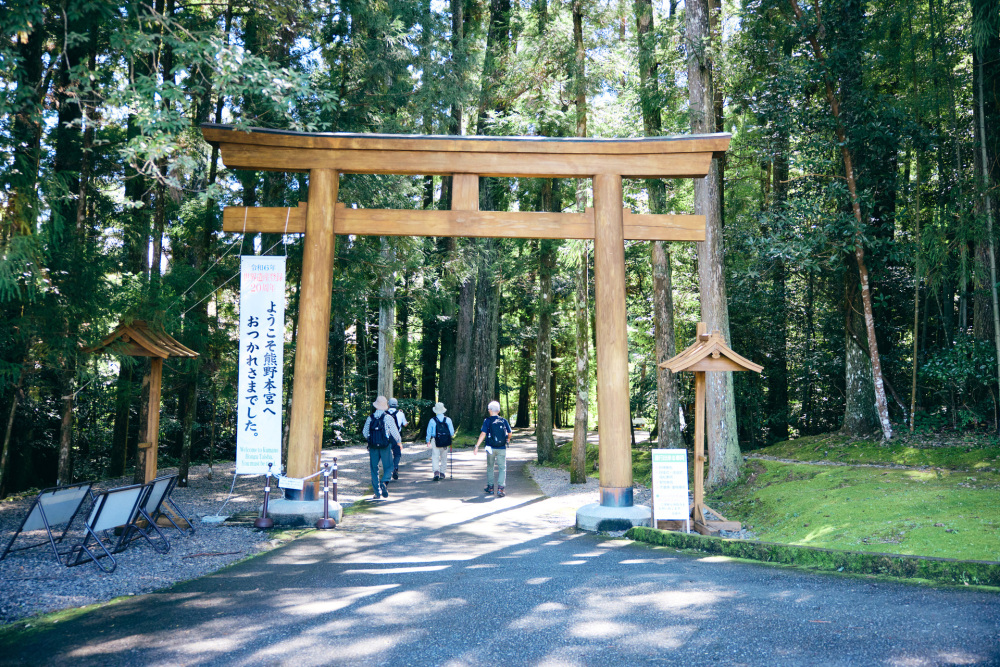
pixel 139 339
pixel 466 159
pixel 709 353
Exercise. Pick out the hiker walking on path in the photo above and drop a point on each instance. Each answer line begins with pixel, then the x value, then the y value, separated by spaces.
pixel 397 448
pixel 380 434
pixel 440 431
pixel 496 431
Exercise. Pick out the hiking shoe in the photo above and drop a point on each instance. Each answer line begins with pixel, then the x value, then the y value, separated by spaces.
pixel 488 489
pixel 376 497
pixel 395 474
pixel 385 491
pixel 500 493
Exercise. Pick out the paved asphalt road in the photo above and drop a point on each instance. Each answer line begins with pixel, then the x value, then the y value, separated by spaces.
pixel 441 575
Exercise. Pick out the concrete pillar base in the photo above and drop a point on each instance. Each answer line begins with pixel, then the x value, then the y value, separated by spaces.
pixel 301 512
pixel 598 518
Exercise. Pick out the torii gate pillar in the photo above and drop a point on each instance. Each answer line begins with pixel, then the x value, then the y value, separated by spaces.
pixel 305 432
pixel 615 454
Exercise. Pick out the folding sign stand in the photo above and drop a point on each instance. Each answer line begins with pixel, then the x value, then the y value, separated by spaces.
pixel 708 353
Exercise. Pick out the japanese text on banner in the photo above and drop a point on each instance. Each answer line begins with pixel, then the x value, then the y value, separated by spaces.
pixel 261 355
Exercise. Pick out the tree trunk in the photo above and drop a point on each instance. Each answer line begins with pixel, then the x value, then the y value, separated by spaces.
pixel 483 362
pixel 119 437
pixel 578 457
pixel 386 321
pixel 462 397
pixel 188 409
pixel 721 432
pixel 403 387
pixel 429 342
pixel 5 450
pixel 859 404
pixel 543 351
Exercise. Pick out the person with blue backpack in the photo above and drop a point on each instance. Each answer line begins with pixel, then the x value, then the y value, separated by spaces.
pixel 496 432
pixel 380 431
pixel 440 432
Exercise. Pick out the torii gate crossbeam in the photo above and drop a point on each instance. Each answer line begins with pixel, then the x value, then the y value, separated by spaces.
pixel 326 155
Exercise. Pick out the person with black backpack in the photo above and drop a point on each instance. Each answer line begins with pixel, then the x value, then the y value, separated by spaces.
pixel 496 432
pixel 397 448
pixel 440 432
pixel 380 431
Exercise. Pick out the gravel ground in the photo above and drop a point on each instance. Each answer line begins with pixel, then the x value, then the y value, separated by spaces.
pixel 31 582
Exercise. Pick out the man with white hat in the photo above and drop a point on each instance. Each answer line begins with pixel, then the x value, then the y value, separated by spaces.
pixel 380 431
pixel 440 432
pixel 496 432
pixel 397 449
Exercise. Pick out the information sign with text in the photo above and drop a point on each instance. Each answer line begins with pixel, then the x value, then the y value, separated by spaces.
pixel 670 485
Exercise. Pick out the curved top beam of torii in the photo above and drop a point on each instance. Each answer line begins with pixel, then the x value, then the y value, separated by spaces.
pixel 525 157
pixel 327 155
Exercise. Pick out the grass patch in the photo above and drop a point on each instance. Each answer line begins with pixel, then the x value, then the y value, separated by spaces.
pixel 909 567
pixel 972 454
pixel 938 513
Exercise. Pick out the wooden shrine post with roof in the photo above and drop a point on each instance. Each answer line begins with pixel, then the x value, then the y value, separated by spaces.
pixel 138 339
pixel 709 353
pixel 465 159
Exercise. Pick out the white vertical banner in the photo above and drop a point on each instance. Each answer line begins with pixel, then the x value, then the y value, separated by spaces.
pixel 262 346
pixel 670 486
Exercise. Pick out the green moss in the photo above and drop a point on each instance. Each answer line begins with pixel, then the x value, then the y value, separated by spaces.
pixel 933 569
pixel 20 630
pixel 937 513
pixel 972 454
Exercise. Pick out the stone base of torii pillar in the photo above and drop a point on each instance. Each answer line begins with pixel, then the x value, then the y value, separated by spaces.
pixel 601 518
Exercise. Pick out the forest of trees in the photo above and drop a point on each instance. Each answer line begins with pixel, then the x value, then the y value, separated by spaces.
pixel 854 256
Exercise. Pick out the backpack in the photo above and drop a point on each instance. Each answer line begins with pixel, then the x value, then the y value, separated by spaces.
pixel 442 434
pixel 496 433
pixel 377 436
pixel 394 412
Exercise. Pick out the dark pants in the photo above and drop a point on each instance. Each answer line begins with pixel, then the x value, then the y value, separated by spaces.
pixel 397 453
pixel 383 455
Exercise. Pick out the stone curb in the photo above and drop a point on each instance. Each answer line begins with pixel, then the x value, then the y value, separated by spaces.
pixel 944 570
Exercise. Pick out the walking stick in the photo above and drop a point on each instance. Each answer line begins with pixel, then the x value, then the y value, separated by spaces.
pixel 451 466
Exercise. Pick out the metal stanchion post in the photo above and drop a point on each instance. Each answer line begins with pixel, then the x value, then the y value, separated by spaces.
pixel 264 521
pixel 326 522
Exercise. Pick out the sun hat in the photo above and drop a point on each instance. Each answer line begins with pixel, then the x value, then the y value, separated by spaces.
pixel 439 408
pixel 380 403
pixel 494 406
pixel 393 403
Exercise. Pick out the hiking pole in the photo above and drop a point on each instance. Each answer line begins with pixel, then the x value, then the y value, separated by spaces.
pixel 326 522
pixel 264 521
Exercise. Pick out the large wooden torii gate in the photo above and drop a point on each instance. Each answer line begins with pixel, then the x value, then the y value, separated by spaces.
pixel 466 159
